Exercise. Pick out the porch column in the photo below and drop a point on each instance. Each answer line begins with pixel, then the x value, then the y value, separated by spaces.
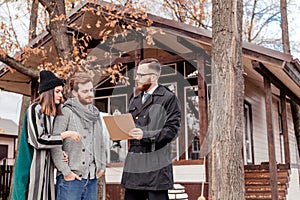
pixel 138 56
pixel 34 88
pixel 271 145
pixel 138 50
pixel 202 106
pixel 285 130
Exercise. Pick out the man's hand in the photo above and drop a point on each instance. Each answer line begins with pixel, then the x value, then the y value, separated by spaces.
pixel 100 173
pixel 136 133
pixel 71 177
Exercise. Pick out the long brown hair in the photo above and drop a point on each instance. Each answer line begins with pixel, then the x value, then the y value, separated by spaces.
pixel 46 99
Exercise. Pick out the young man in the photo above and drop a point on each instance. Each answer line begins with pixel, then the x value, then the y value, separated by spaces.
pixel 148 171
pixel 77 179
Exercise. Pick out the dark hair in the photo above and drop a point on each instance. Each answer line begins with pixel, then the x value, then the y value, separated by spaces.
pixel 79 78
pixel 46 99
pixel 153 64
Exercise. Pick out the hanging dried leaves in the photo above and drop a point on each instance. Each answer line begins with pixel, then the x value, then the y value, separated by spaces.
pixel 112 22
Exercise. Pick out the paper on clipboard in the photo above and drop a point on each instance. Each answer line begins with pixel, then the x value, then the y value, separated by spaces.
pixel 118 126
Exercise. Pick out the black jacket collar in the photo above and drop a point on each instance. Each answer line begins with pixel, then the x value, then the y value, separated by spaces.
pixel 159 91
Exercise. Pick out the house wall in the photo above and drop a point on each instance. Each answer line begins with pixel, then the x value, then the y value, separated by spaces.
pixel 278 139
pixel 10 142
pixel 192 175
pixel 182 173
pixel 254 94
pixel 292 141
pixel 294 185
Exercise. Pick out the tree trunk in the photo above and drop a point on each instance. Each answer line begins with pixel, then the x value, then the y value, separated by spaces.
pixel 286 49
pixel 226 118
pixel 33 20
pixel 101 188
pixel 284 27
pixel 58 27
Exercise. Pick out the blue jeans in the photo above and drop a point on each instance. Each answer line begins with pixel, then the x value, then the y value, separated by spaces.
pixel 86 189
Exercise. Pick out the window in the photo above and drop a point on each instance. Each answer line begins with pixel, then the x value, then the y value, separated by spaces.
pixel 169 69
pixel 248 148
pixel 110 105
pixel 281 140
pixel 174 144
pixel 192 128
pixel 3 151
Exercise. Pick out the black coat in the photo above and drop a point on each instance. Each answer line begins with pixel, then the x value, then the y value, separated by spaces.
pixel 148 165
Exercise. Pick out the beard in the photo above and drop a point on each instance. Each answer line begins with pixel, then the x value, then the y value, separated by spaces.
pixel 144 87
pixel 85 101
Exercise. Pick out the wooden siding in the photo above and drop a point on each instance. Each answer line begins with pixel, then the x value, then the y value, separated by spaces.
pixel 294 186
pixel 292 139
pixel 254 94
pixel 279 152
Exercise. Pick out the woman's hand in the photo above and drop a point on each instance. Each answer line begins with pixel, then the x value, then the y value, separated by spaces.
pixel 66 157
pixel 71 134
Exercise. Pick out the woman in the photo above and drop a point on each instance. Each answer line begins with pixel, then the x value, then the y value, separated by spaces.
pixel 38 181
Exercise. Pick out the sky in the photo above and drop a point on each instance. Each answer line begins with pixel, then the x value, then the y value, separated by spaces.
pixel 10 105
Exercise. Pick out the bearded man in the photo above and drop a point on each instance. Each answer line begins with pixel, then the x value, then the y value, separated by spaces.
pixel 156 112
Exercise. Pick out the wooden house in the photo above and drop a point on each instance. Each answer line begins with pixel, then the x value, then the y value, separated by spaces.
pixel 8 141
pixel 272 81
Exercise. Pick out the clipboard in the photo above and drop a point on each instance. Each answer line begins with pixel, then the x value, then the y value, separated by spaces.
pixel 118 126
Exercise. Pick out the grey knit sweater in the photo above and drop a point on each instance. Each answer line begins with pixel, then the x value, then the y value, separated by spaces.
pixel 87 156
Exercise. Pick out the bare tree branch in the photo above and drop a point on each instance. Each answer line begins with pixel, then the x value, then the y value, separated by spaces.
pixel 12 25
pixel 250 28
pixel 264 24
pixel 13 63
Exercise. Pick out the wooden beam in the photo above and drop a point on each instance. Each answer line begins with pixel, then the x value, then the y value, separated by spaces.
pixel 191 46
pixel 258 55
pixel 162 60
pixel 293 72
pixel 177 58
pixel 139 55
pixel 34 89
pixel 165 47
pixel 285 131
pixel 271 145
pixel 181 29
pixel 202 106
pixel 260 68
pixel 139 52
pixel 202 111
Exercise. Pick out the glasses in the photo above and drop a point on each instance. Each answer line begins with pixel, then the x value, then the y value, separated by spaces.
pixel 138 75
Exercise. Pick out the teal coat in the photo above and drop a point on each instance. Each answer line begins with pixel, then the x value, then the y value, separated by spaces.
pixel 22 166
